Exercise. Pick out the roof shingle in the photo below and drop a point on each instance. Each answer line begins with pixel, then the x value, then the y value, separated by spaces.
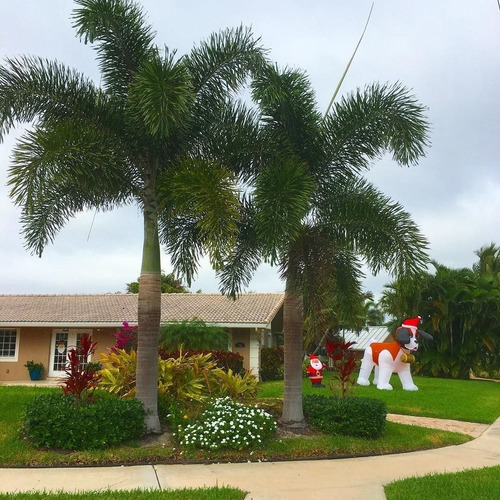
pixel 255 309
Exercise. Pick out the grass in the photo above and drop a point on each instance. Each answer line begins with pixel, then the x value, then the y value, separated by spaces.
pixel 466 400
pixel 479 484
pixel 215 493
pixel 18 452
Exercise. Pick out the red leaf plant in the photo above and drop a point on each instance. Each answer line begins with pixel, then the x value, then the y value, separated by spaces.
pixel 344 363
pixel 81 377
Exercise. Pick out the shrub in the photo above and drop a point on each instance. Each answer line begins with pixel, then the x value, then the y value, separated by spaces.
pixel 272 360
pixel 235 386
pixel 193 335
pixel 187 380
pixel 66 422
pixel 126 338
pixel 358 417
pixel 118 372
pixel 225 360
pixel 227 424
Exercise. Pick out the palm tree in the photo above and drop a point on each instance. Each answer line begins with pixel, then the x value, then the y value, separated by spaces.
pixel 489 261
pixel 459 308
pixel 162 132
pixel 310 211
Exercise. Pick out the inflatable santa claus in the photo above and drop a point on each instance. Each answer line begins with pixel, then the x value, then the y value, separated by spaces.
pixel 315 371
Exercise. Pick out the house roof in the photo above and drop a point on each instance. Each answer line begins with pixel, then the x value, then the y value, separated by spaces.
pixel 377 333
pixel 249 310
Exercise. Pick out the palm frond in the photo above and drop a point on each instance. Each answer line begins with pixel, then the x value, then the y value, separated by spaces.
pixel 184 243
pixel 369 123
pixel 32 89
pixel 123 39
pixel 221 65
pixel 160 96
pixel 230 134
pixel 289 113
pixel 282 200
pixel 61 169
pixel 358 216
pixel 207 192
pixel 245 257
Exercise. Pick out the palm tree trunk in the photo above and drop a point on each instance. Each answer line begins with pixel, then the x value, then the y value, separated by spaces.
pixel 149 313
pixel 293 337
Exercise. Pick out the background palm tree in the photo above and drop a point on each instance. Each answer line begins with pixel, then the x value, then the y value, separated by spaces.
pixel 162 132
pixel 310 211
pixel 459 307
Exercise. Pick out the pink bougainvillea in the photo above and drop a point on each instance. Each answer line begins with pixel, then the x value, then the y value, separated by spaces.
pixel 126 338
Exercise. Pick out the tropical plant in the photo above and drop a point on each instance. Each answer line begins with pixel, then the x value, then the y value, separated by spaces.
pixel 187 380
pixel 126 338
pixel 459 307
pixel 118 373
pixel 310 211
pixel 225 360
pixel 81 376
pixel 344 364
pixel 235 386
pixel 373 314
pixel 194 334
pixel 163 132
pixel 169 283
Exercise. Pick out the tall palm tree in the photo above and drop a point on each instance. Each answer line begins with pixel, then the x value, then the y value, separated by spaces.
pixel 489 261
pixel 310 211
pixel 163 132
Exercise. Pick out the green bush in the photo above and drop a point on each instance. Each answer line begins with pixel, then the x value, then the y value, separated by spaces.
pixel 193 334
pixel 63 421
pixel 225 360
pixel 358 417
pixel 272 361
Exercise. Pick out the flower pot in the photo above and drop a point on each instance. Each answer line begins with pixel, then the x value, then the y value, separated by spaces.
pixel 35 374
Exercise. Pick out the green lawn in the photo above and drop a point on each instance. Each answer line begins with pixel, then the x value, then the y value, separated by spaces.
pixel 476 484
pixel 223 493
pixel 437 397
pixel 467 400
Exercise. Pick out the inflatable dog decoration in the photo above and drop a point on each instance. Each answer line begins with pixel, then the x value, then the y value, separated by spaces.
pixel 393 357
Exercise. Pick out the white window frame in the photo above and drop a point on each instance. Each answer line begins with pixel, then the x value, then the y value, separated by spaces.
pixel 12 359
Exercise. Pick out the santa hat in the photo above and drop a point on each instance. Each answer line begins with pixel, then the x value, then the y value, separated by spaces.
pixel 313 356
pixel 412 322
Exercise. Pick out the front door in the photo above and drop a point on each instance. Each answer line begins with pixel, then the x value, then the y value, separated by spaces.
pixel 62 341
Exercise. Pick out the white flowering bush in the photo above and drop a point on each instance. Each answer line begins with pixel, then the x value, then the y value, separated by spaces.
pixel 227 424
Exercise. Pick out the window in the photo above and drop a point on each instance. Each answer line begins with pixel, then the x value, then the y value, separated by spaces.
pixel 8 344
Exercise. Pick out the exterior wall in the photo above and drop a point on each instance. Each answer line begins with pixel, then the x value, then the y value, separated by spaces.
pixel 35 343
pixel 241 344
pixel 277 329
pixel 254 355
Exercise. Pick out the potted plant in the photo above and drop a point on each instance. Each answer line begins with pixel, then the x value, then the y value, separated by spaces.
pixel 34 369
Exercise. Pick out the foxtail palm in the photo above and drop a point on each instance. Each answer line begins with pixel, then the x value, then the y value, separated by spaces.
pixel 162 132
pixel 313 215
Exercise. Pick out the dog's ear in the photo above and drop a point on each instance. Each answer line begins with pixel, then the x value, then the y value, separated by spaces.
pixel 425 335
pixel 403 335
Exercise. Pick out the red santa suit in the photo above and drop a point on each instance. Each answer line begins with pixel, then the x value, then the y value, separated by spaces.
pixel 315 371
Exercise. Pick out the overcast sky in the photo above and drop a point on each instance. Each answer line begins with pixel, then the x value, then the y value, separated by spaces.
pixel 446 51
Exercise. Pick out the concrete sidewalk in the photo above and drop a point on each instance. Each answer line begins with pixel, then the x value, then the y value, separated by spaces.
pixel 351 478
